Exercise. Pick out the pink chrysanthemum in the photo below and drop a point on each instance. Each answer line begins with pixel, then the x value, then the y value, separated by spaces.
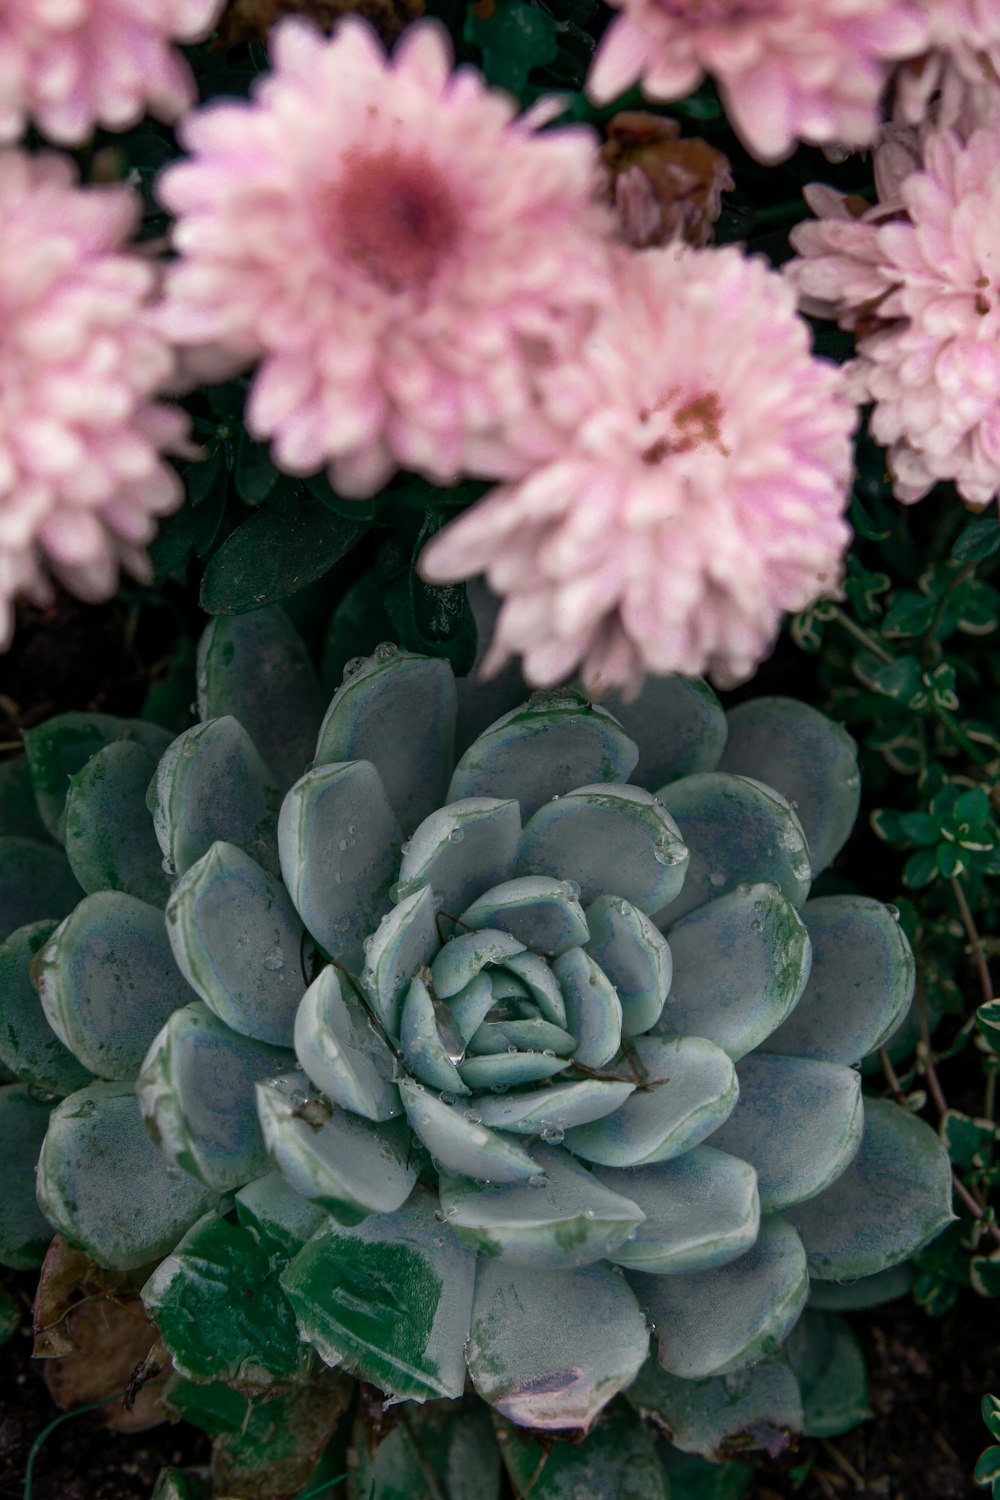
pixel 929 357
pixel 80 436
pixel 69 65
pixel 786 69
pixel 394 246
pixel 698 492
pixel 958 80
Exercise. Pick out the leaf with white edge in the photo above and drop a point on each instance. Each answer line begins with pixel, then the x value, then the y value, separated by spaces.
pixel 440 1449
pixel 716 1321
pixel 398 711
pixel 61 746
pixel 702 1210
pixel 464 957
pixel 278 1217
pixel 510 1069
pixel 211 784
pixel 634 956
pixel 617 1460
pixel 28 1045
pixel 24 1231
pixel 566 1218
pixel 220 1310
pixel 541 984
pixel 678 724
pixel 532 1034
pixel 390 1299
pixel 197 1094
pixel 462 850
pixel 463 1145
pixel 686 1087
pixel 470 1007
pixel 340 1048
pixel 608 840
pixel 18 812
pixel 593 1009
pixel 238 941
pixel 739 832
pixel 860 985
pixel 107 982
pixel 105 1184
pixel 110 840
pixel 829 1364
pixel 739 967
pixel 540 1367
pixel 350 1166
pixel 752 1409
pixel 338 839
pixel 256 668
pixel 867 1291
pixel 175 1484
pixel 405 940
pixel 810 759
pixel 36 883
pixel 552 1111
pixel 540 912
pixel 797 1121
pixel 429 1041
pixel 548 746
pixel 893 1198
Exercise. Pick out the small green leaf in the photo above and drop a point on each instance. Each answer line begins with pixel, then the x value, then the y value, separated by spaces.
pixel 920 869
pixel 513 38
pixel 270 556
pixel 988 1020
pixel 909 614
pixel 829 1365
pixel 984 1274
pixel 255 475
pixel 988 1467
pixel 920 828
pixel 979 540
pixel 969 1141
pixel 900 680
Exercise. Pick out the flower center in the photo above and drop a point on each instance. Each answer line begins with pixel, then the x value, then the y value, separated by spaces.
pixel 393 215
pixel 685 423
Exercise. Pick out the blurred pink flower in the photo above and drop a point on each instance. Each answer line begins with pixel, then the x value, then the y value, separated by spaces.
pixel 396 249
pixel 956 82
pixel 786 69
pixel 81 476
pixel 921 290
pixel 662 187
pixel 698 491
pixel 69 65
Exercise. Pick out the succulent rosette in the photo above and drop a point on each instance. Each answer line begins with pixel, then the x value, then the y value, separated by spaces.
pixel 512 1060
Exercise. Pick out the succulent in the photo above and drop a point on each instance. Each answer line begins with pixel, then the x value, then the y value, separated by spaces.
pixel 510 1065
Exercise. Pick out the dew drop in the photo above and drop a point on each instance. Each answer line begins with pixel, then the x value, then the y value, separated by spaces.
pixel 717 878
pixel 756 925
pixel 274 961
pixel 552 1135
pixel 189 749
pixel 590 1213
pixel 406 847
pixel 472 1117
pixel 441 1217
pixel 456 836
pixel 548 1052
pixel 511 1050
pixel 539 1179
pixel 447 1098
pixel 893 912
pixel 385 651
pixel 168 867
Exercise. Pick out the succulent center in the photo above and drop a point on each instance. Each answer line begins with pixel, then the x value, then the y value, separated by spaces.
pixel 392 213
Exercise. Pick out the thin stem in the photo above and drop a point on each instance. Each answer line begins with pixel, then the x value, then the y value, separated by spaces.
pixel 929 1070
pixel 842 1463
pixel 974 1206
pixel 948 721
pixel 860 634
pixel 975 941
pixel 892 1077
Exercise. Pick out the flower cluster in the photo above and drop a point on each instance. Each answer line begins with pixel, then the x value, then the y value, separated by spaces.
pixel 915 277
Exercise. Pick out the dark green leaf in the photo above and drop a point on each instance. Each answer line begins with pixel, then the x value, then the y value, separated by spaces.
pixel 909 614
pixel 513 38
pixel 255 475
pixel 200 477
pixel 978 540
pixel 920 869
pixel 269 556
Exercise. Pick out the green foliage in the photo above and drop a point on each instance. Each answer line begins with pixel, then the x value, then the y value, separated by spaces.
pixel 988 1466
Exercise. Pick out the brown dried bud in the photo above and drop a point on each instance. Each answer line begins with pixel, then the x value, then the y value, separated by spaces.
pixel 663 187
pixel 250 20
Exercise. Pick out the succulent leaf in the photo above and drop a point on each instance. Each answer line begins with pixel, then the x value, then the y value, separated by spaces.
pixel 28 1045
pixel 341 1049
pixel 829 1364
pixel 866 1291
pixel 278 1217
pixel 105 1184
pixel 740 964
pixel 460 1142
pixel 19 814
pixel 540 1366
pixel 617 1459
pixel 196 1089
pixel 61 746
pixel 25 1232
pixel 212 785
pixel 255 668
pixel 609 840
pixel 110 842
pixel 810 759
pixel 350 1166
pixel 107 982
pixel 702 1210
pixel 450 1441
pixel 239 942
pixel 390 1299
pixel 798 1122
pixel 462 850
pixel 716 1321
pixel 758 1406
pixel 543 914
pixel 405 940
pixel 543 749
pixel 860 984
pixel 396 710
pixel 739 832
pixel 338 840
pixel 634 957
pixel 892 1199
pixel 35 882
pixel 678 724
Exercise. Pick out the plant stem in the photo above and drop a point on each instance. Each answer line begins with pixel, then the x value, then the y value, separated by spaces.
pixel 860 634
pixel 975 941
pixel 930 1072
